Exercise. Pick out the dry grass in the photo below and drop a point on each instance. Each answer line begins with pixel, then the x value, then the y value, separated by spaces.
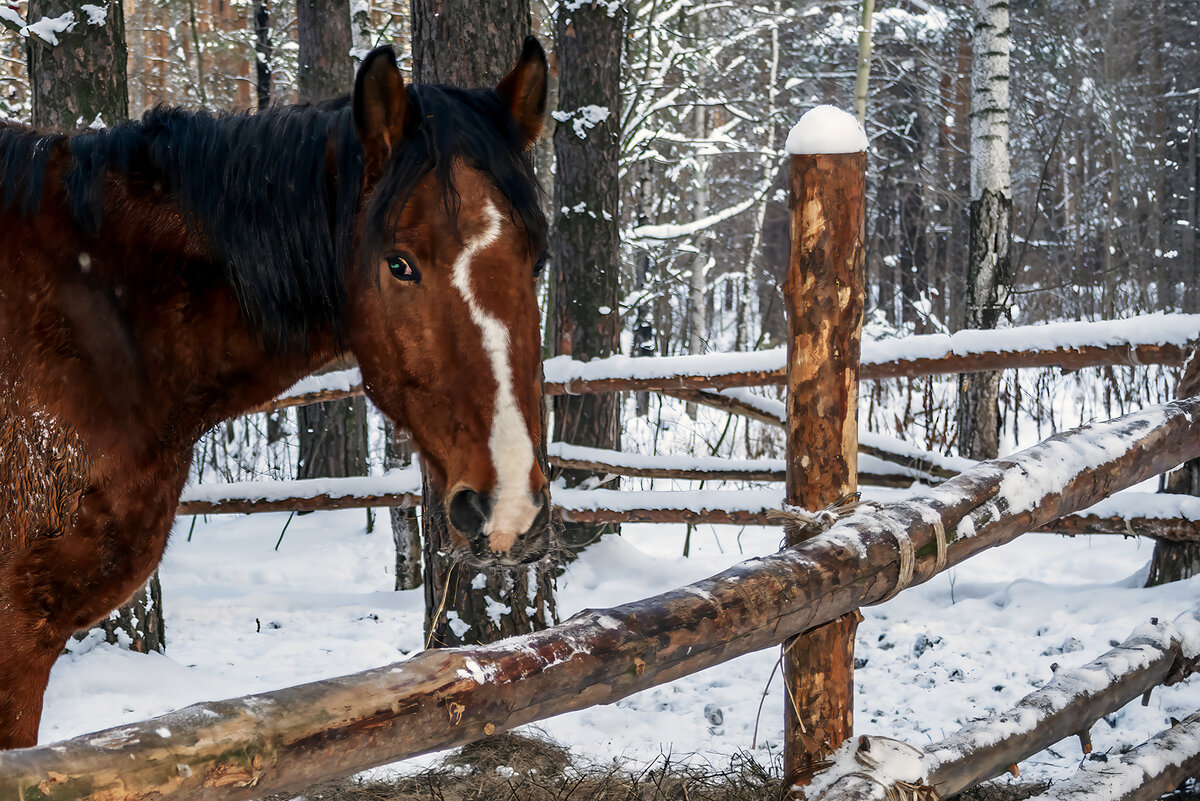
pixel 513 767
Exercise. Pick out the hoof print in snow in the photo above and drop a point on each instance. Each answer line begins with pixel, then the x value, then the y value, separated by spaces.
pixel 923 644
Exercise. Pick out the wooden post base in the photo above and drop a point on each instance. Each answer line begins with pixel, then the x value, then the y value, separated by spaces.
pixel 819 709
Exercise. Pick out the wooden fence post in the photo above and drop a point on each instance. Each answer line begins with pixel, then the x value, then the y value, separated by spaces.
pixel 823 296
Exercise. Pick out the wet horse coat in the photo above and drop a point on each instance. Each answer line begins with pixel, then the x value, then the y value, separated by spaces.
pixel 175 271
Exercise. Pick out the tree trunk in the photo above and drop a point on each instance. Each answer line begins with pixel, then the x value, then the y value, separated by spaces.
pixel 473 43
pixel 989 266
pixel 325 69
pixel 585 242
pixel 1176 561
pixel 406 530
pixel 467 42
pixel 81 82
pixel 140 620
pixel 863 71
pixel 332 435
pixel 262 53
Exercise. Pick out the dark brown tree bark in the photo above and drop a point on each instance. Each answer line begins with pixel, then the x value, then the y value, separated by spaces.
pixel 82 78
pixel 585 322
pixel 333 439
pixel 333 435
pixel 473 43
pixel 1176 561
pixel 406 526
pixel 467 42
pixel 325 69
pixel 262 53
pixel 79 82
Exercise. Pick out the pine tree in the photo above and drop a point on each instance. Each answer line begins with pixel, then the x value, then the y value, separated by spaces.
pixel 473 43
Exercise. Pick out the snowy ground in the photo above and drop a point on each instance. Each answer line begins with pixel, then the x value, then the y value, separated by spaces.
pixel 242 617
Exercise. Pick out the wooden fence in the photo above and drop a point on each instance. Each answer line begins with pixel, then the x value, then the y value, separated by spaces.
pixel 249 747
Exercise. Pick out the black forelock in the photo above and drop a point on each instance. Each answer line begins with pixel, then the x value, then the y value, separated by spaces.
pixel 256 186
pixel 452 123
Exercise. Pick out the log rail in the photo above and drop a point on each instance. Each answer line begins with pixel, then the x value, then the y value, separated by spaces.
pixel 598 376
pixel 250 747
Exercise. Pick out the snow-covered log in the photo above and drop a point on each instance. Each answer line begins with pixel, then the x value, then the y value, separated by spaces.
pixel 1141 514
pixel 1149 339
pixel 1150 771
pixel 251 747
pixel 1155 654
pixel 871 470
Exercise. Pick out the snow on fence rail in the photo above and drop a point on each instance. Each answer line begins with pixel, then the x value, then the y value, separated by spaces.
pixel 253 746
pixel 1141 514
pixel 1147 339
pixel 1069 704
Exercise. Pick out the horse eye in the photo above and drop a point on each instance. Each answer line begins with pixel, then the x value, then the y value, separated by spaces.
pixel 403 269
pixel 541 265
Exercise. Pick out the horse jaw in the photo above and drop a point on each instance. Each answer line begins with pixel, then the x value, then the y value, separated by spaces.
pixel 510 445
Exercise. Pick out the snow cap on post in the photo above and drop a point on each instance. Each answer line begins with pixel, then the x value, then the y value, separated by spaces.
pixel 826 129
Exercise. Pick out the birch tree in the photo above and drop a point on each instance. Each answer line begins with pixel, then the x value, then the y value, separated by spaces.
pixel 989 265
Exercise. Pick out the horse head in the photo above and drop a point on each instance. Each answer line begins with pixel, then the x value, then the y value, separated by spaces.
pixel 447 330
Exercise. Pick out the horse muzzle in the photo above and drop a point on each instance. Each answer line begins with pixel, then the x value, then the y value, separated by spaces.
pixel 506 532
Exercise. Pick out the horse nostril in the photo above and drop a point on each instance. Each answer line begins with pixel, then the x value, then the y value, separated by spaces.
pixel 469 511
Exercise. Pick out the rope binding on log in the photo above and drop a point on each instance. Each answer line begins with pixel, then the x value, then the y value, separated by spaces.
pixel 801 524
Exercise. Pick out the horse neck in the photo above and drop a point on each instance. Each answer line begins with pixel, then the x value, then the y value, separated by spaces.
pixel 134 339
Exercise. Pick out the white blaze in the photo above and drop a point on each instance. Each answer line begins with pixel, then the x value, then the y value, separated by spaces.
pixel 513 511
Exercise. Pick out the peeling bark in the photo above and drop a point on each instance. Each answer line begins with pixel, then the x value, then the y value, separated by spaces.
pixel 824 298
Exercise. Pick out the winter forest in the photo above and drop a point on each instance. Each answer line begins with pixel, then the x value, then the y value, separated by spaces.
pixel 1028 163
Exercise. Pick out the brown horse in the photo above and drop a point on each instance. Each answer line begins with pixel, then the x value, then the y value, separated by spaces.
pixel 169 273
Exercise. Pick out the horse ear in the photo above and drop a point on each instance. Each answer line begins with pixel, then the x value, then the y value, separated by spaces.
pixel 524 90
pixel 380 105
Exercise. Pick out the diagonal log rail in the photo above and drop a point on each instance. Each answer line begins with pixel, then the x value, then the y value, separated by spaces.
pixel 1161 653
pixel 250 747
pixel 1150 771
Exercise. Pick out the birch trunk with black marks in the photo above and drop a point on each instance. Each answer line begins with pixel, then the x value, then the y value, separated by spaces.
pixel 79 82
pixel 473 43
pixel 989 265
pixel 584 239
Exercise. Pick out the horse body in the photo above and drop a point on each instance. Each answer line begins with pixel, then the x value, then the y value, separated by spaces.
pixel 140 306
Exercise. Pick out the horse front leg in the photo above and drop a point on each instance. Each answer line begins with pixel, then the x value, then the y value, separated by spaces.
pixel 27 652
pixel 55 586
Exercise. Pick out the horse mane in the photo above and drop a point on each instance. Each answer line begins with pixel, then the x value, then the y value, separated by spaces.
pixel 256 187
